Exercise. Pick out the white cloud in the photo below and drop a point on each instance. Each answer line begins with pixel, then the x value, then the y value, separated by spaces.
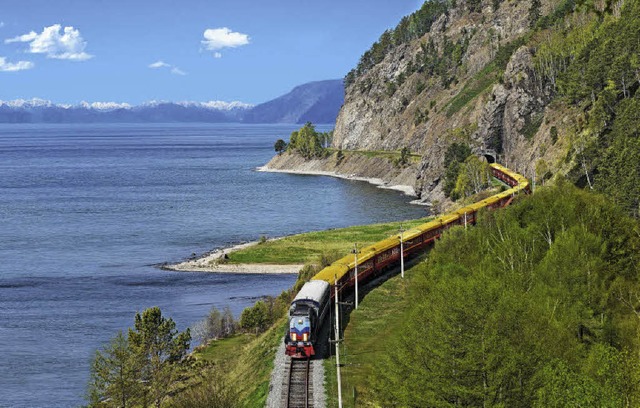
pixel 18 66
pixel 172 68
pixel 1 24
pixel 67 45
pixel 159 64
pixel 219 38
pixel 217 55
pixel 22 38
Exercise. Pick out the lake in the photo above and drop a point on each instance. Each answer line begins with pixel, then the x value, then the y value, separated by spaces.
pixel 87 210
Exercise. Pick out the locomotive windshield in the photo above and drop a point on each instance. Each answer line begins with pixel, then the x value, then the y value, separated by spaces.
pixel 300 309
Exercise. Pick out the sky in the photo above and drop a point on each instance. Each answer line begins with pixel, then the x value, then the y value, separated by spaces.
pixel 133 51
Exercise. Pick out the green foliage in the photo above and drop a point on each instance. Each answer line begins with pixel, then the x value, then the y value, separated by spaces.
pixel 264 313
pixel 593 61
pixel 563 9
pixel 391 88
pixel 534 12
pixel 477 85
pixel 405 155
pixel 620 166
pixel 410 27
pixel 553 133
pixel 420 116
pixel 473 177
pixel 455 155
pixel 280 146
pixel 484 78
pixel 535 306
pixel 139 369
pixel 307 142
pixel 160 348
pixel 114 375
pixel 531 125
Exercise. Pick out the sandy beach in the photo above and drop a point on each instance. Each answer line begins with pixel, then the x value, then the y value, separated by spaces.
pixel 214 261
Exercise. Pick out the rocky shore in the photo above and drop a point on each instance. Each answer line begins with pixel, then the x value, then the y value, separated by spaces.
pixel 375 170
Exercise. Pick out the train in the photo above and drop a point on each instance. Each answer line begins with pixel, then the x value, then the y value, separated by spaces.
pixel 308 309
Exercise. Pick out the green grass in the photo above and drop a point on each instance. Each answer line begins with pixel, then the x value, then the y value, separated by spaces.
pixel 385 154
pixel 224 350
pixel 381 313
pixel 247 361
pixel 308 247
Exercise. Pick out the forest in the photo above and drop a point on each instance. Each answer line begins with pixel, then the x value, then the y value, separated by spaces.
pixel 536 306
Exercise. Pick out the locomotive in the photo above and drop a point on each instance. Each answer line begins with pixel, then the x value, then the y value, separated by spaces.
pixel 310 306
pixel 306 314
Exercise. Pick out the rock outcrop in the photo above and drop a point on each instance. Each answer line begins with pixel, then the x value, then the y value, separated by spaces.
pixel 472 79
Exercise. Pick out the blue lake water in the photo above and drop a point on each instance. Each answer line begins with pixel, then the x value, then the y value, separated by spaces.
pixel 86 210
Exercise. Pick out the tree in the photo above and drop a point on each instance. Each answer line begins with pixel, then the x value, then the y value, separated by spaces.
pixel 216 325
pixel 255 318
pixel 307 142
pixel 455 155
pixel 280 146
pixel 159 348
pixel 404 156
pixel 114 375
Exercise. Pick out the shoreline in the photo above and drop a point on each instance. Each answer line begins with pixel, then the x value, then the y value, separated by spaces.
pixel 215 262
pixel 407 190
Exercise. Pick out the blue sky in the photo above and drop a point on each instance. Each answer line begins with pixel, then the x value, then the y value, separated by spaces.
pixel 134 51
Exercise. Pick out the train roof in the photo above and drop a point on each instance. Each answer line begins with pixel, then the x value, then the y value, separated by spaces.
pixel 314 290
pixel 343 265
pixel 334 271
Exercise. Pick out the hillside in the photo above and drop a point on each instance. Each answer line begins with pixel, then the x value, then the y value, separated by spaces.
pixel 544 86
pixel 317 102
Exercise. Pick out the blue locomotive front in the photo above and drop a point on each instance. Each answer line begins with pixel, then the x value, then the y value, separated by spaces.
pixel 306 314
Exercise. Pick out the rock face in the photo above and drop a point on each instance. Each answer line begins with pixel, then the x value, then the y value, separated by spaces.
pixel 514 111
pixel 478 101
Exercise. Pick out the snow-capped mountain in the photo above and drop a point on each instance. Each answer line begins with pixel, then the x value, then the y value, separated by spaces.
pixel 317 102
pixel 42 111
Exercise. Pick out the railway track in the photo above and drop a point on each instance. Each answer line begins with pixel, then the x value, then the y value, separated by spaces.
pixel 299 390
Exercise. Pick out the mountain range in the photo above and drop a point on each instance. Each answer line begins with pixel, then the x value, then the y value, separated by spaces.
pixel 317 102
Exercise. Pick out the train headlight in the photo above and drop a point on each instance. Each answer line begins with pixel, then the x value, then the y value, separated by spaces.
pixel 294 337
pixel 305 336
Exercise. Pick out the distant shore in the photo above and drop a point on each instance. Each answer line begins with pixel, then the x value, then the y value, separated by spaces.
pixel 407 190
pixel 215 261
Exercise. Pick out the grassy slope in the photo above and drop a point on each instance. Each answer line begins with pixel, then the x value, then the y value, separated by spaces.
pixel 249 360
pixel 379 314
pixel 303 248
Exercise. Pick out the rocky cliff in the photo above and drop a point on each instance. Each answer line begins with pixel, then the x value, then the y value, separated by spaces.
pixel 533 84
pixel 497 109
